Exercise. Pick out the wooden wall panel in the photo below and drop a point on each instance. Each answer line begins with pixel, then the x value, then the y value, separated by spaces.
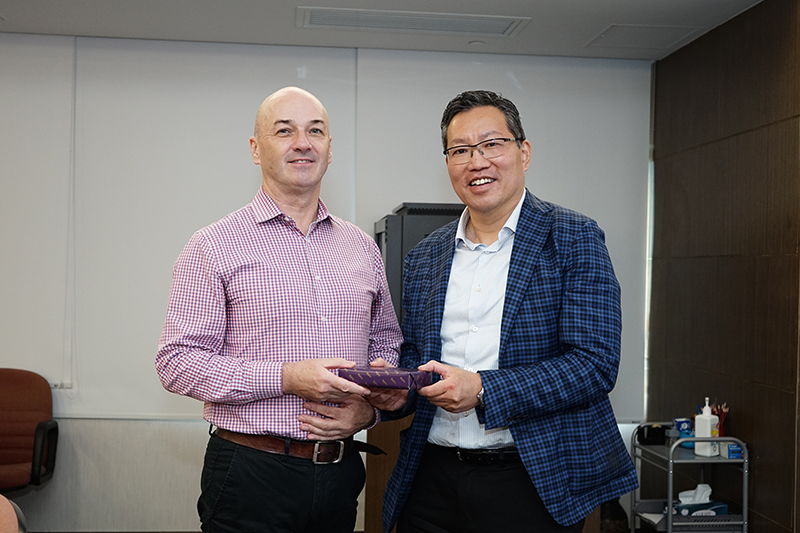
pixel 763 524
pixel 775 358
pixel 736 196
pixel 725 293
pixel 772 469
pixel 737 343
pixel 741 76
pixel 379 468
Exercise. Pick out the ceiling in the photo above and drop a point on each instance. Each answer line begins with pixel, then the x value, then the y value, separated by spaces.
pixel 627 29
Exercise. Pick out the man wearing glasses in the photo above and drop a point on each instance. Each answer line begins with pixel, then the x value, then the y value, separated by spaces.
pixel 517 308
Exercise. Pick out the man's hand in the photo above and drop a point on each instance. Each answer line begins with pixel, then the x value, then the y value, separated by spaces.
pixel 456 392
pixel 352 415
pixel 386 399
pixel 310 379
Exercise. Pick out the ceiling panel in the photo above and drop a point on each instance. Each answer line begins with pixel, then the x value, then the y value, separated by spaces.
pixel 642 29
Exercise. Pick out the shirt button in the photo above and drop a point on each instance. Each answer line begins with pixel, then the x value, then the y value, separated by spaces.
pixel 478 288
pixel 324 319
pixel 474 328
pixel 317 277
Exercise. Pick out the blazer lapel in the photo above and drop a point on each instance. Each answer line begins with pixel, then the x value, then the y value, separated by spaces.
pixel 532 231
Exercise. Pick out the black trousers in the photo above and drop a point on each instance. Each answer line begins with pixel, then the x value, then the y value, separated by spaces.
pixel 245 490
pixel 451 496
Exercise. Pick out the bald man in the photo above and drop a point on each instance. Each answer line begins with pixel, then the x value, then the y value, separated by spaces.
pixel 265 305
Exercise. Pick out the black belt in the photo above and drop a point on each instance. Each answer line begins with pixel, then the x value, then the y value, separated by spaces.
pixel 483 457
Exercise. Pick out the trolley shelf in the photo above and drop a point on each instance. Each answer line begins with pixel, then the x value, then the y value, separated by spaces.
pixel 666 457
pixel 652 512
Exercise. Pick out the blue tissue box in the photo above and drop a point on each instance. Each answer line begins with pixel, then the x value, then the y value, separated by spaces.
pixel 731 450
pixel 700 509
pixel 683 425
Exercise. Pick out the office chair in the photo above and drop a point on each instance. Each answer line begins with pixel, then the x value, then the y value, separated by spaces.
pixel 28 433
pixel 11 518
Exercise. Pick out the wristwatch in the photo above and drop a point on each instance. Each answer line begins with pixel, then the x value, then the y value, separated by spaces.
pixel 480 399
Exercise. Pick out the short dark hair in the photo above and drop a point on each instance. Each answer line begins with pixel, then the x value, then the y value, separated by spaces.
pixel 472 99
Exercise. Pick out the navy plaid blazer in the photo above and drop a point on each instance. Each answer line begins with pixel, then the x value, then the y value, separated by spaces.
pixel 559 358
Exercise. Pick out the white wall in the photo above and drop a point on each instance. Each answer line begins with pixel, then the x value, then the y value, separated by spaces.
pixel 112 152
pixel 121 475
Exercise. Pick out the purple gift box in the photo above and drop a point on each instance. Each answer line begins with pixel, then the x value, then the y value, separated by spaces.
pixel 389 378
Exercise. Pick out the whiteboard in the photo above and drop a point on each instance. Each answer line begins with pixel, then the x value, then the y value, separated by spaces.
pixel 147 141
pixel 35 144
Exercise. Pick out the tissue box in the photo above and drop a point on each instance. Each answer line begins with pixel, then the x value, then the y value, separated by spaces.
pixel 700 509
pixel 731 450
pixel 389 378
pixel 683 425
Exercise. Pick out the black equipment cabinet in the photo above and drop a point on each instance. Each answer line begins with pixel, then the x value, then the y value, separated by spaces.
pixel 398 233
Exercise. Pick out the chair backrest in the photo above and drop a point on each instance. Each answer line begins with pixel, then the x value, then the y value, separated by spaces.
pixel 25 401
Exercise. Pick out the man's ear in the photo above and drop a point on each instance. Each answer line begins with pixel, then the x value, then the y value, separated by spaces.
pixel 254 151
pixel 526 153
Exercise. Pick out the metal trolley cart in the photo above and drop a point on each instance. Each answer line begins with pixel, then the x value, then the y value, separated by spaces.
pixel 665 457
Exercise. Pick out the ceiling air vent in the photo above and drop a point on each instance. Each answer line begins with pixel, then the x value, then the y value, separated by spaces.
pixel 409 21
pixel 643 37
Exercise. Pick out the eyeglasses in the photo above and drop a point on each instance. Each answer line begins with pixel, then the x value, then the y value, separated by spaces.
pixel 489 149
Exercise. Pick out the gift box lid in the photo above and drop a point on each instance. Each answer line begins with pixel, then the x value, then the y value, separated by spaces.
pixel 390 378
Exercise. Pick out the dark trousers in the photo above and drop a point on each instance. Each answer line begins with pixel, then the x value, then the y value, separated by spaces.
pixel 246 490
pixel 451 496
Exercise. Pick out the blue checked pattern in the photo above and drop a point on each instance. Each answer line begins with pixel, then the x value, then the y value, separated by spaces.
pixel 559 357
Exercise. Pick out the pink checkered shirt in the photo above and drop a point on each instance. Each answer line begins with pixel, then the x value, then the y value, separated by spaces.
pixel 251 292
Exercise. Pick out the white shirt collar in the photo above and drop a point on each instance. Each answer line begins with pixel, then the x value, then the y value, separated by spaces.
pixel 509 226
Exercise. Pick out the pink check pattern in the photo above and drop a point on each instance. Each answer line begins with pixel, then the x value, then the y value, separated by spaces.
pixel 251 292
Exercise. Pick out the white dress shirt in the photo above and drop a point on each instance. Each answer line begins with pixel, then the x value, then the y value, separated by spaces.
pixel 473 314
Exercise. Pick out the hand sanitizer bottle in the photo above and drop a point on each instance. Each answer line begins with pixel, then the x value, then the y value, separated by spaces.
pixel 706 425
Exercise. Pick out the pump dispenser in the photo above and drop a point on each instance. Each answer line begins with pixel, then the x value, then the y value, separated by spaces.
pixel 706 425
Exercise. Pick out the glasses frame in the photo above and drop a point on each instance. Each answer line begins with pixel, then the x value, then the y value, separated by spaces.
pixel 475 146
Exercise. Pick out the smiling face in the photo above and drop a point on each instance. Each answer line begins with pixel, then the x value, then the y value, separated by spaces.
pixel 490 188
pixel 292 143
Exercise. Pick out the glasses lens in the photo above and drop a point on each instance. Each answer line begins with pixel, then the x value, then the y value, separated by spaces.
pixel 460 154
pixel 492 148
pixel 489 149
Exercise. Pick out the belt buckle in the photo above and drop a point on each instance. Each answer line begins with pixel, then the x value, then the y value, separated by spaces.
pixel 317 451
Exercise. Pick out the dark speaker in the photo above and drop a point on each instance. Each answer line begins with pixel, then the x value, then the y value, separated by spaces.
pixel 398 233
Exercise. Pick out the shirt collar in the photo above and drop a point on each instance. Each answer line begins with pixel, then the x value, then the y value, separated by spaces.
pixel 266 209
pixel 510 226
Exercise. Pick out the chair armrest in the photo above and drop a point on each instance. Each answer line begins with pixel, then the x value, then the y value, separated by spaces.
pixel 46 439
